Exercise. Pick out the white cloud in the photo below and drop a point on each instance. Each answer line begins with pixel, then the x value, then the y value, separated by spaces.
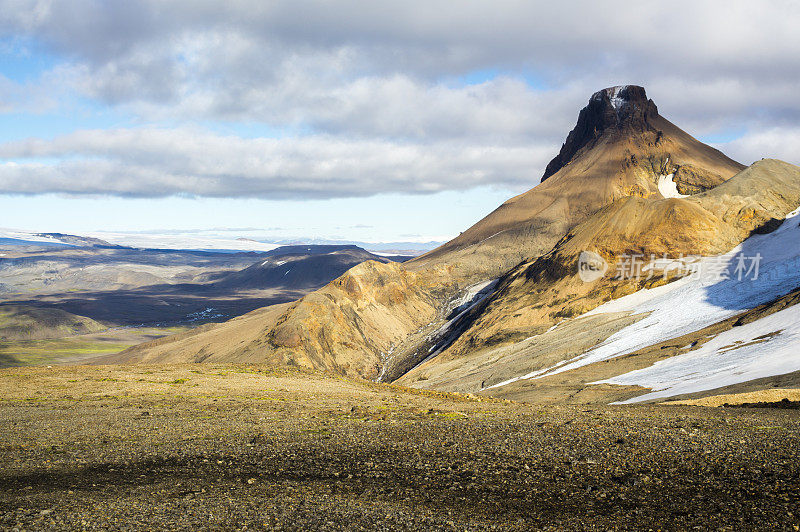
pixel 774 143
pixel 300 61
pixel 393 107
pixel 163 162
pixel 374 87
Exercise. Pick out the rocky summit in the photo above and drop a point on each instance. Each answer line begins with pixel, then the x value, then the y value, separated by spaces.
pixel 611 111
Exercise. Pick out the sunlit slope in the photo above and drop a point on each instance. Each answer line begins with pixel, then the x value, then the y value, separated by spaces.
pixel 616 150
pixel 546 291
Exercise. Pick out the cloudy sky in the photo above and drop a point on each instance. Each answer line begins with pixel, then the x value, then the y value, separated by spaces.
pixel 360 120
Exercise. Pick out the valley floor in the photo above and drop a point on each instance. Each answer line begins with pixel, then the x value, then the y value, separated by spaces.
pixel 235 447
pixel 79 348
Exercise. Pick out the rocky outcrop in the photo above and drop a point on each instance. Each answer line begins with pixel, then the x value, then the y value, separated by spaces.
pixel 618 111
pixel 351 325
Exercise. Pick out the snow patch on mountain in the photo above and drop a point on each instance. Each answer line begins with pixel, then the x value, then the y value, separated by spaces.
pixel 768 346
pixel 693 303
pixel 616 101
pixel 668 188
pixel 458 309
pixel 468 298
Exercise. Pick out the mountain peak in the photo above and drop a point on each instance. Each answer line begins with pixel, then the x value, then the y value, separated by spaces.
pixel 621 97
pixel 609 111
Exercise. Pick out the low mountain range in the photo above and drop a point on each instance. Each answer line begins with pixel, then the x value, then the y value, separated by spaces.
pixel 66 299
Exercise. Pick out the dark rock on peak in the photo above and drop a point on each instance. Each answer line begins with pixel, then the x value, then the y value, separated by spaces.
pixel 614 110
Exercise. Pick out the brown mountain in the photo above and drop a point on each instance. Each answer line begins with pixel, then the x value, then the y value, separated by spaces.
pixel 380 320
pixel 22 322
pixel 495 340
pixel 620 147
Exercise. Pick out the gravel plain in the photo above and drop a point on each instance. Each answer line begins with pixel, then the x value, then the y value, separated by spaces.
pixel 247 447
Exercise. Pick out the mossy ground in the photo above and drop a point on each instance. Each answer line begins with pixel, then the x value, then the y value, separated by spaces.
pixel 76 347
pixel 231 447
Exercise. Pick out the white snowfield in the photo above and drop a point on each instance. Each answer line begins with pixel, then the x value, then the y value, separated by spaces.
pixel 399 254
pixel 668 188
pixel 28 236
pixel 695 302
pixel 182 242
pixel 152 241
pixel 765 347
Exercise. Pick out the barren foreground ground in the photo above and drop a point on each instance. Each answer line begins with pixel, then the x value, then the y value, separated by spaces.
pixel 235 447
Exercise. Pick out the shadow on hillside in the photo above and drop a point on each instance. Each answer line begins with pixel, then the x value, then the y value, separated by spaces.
pixel 8 361
pixel 766 267
pixel 161 305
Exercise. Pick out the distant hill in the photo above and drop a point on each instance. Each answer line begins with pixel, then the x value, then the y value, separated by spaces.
pixel 298 267
pixel 125 286
pixel 18 322
pixel 75 240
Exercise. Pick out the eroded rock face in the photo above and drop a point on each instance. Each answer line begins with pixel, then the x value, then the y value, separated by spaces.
pixel 347 326
pixel 610 112
pixel 691 180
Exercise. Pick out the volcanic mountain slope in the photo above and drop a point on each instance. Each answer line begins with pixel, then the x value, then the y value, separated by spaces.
pixel 510 336
pixel 538 293
pixel 344 327
pixel 19 322
pixel 383 316
pixel 620 147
